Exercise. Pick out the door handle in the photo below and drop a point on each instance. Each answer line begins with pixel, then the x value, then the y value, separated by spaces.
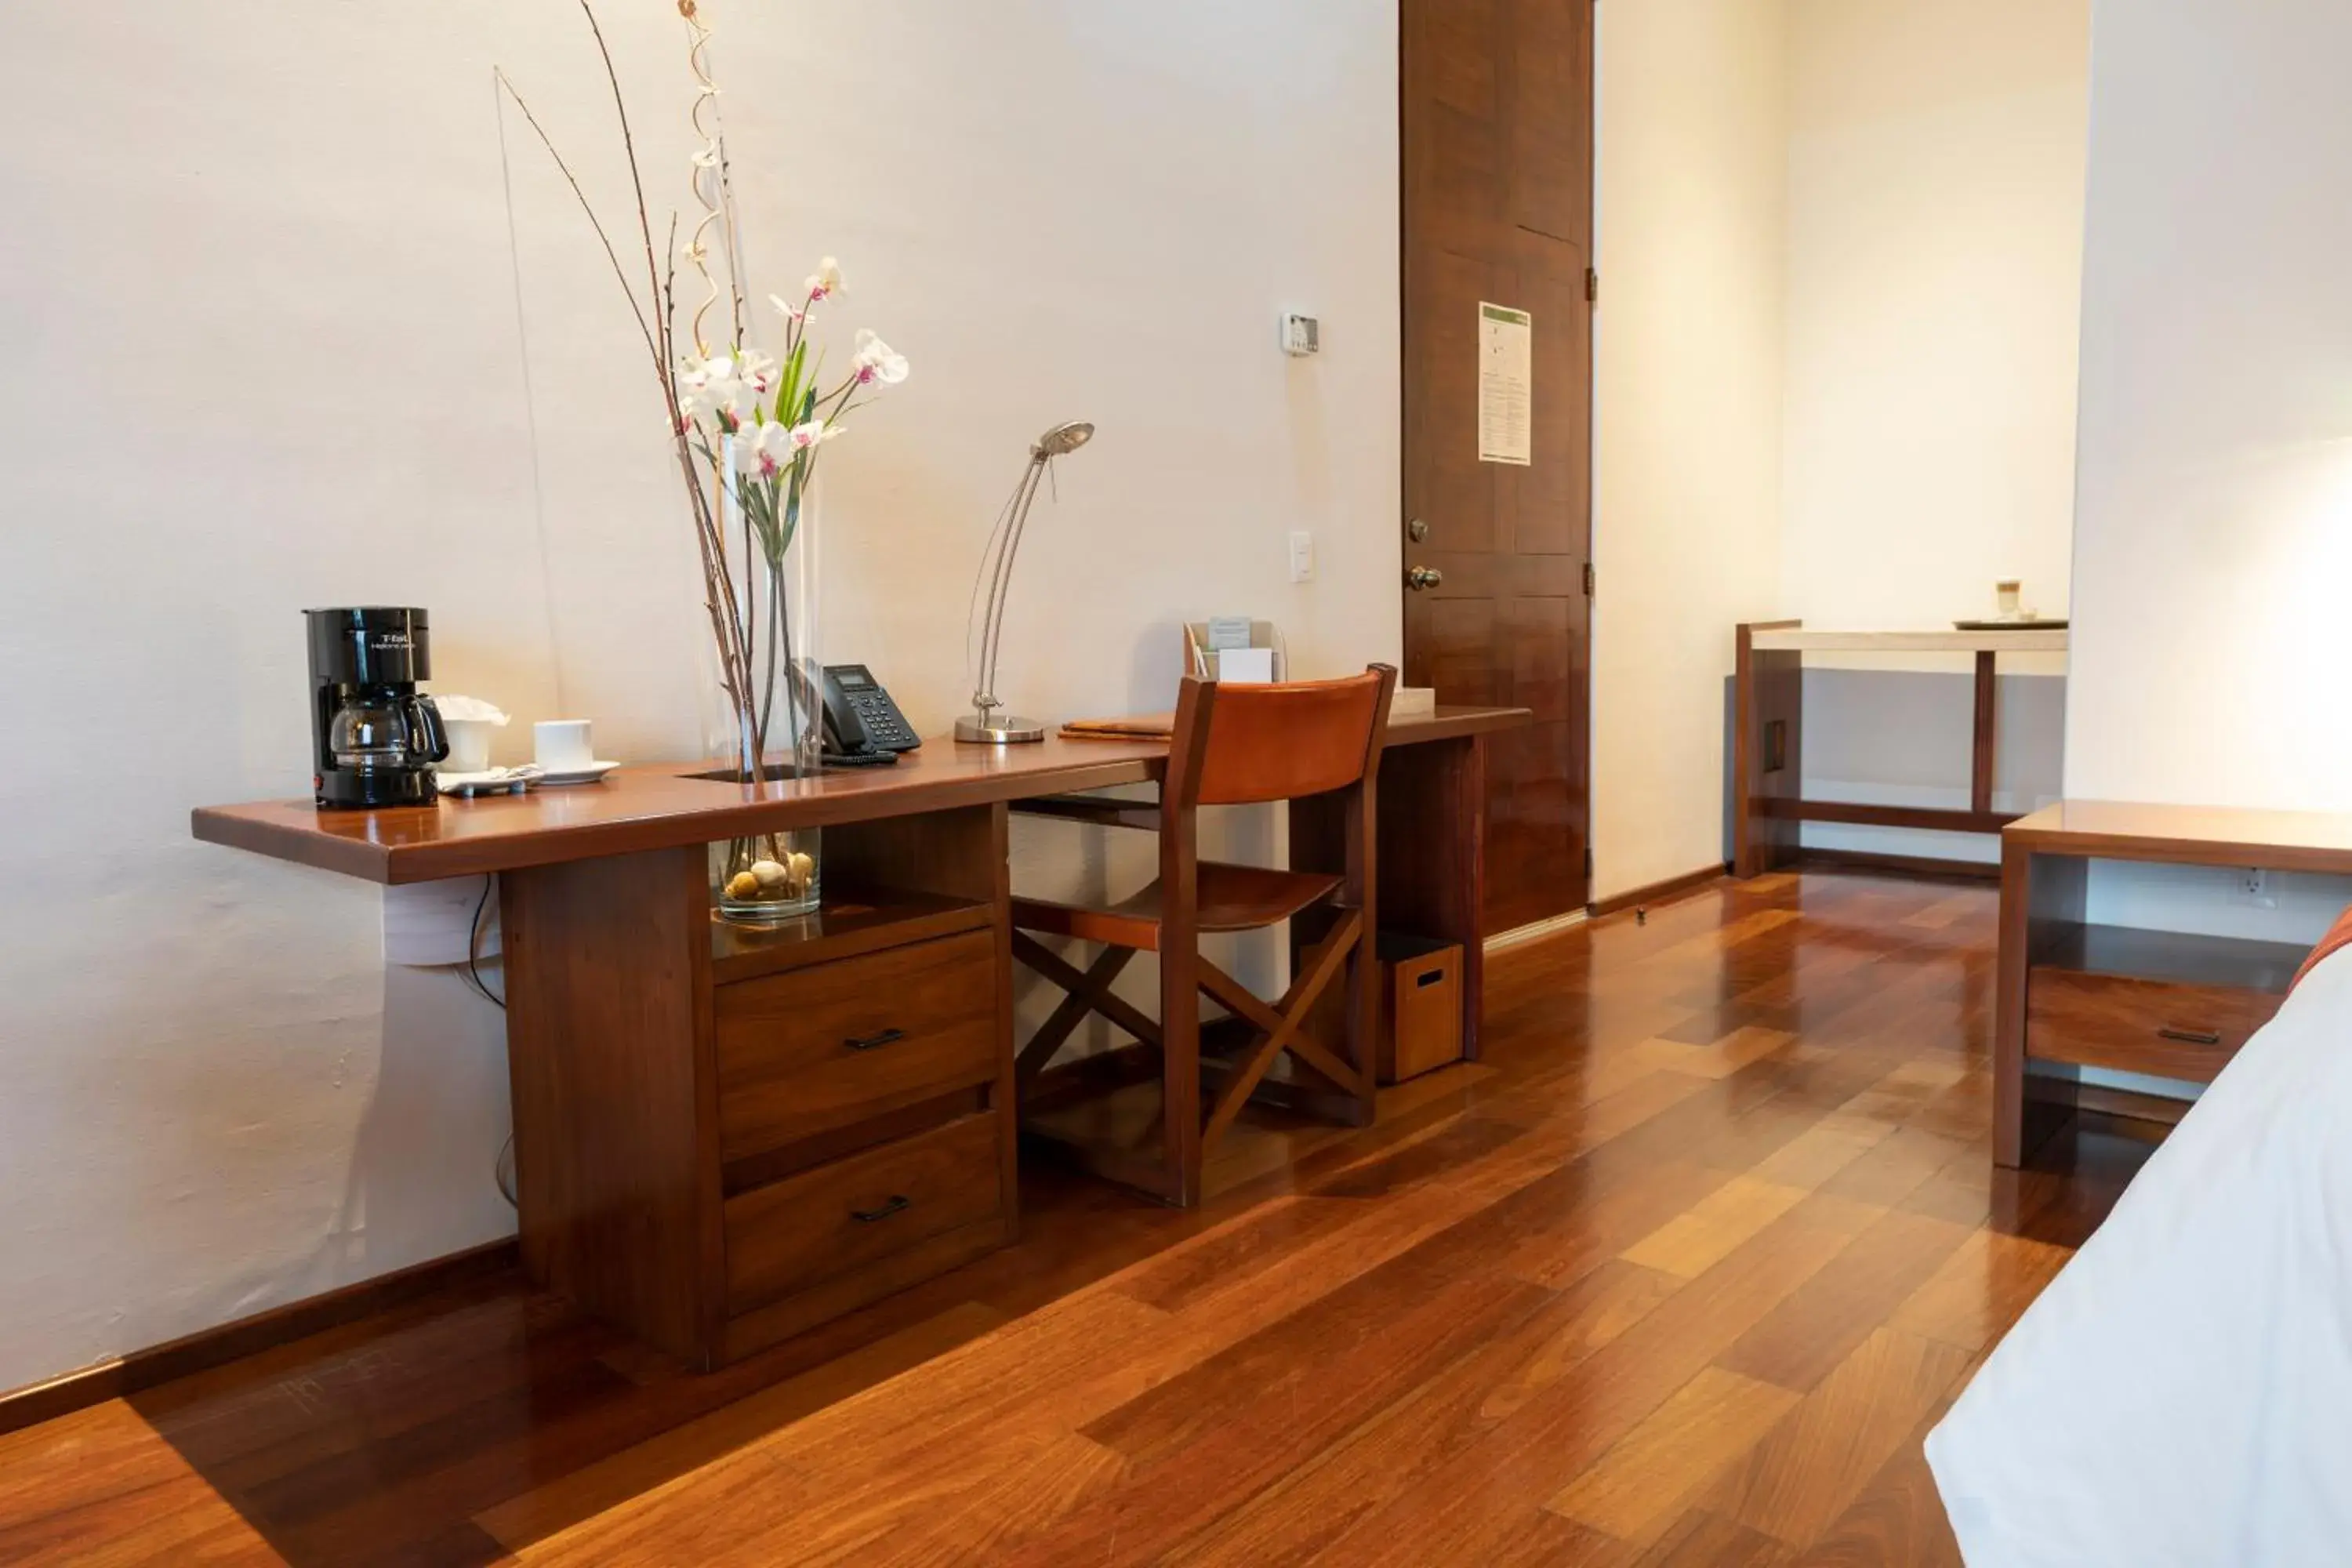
pixel 875 1041
pixel 1424 577
pixel 2191 1036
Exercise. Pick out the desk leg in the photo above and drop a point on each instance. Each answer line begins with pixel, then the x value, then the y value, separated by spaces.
pixel 1988 729
pixel 1766 752
pixel 616 1092
pixel 1432 852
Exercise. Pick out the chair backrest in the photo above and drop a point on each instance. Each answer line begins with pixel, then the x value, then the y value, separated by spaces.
pixel 1241 745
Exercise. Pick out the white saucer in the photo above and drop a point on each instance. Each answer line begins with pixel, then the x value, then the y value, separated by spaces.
pixel 589 773
pixel 489 781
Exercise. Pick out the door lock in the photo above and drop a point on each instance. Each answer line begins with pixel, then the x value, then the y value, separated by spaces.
pixel 1422 577
pixel 1417 530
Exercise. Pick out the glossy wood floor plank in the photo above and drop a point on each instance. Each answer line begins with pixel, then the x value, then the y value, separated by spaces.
pixel 1680 1274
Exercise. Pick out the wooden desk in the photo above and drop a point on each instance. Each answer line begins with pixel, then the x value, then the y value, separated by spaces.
pixel 1768 735
pixel 724 1136
pixel 2167 1004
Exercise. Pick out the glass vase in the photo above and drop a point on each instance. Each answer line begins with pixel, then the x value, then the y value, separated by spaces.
pixel 770 878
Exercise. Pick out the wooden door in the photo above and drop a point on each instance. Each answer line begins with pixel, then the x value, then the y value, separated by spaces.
pixel 1497 139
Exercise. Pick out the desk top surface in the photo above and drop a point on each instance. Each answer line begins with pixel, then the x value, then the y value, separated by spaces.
pixel 1804 640
pixel 2189 835
pixel 663 806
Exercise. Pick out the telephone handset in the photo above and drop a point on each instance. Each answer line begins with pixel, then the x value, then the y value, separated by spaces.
pixel 863 728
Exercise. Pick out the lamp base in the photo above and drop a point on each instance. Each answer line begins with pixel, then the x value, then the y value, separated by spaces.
pixel 993 729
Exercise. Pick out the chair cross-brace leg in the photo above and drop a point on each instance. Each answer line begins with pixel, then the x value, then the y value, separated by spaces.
pixel 1271 1017
pixel 1085 992
pixel 1323 962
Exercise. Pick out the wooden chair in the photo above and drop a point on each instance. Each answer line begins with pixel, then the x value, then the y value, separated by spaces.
pixel 1231 745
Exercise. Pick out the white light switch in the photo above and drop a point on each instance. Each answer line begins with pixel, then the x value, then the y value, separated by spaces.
pixel 1302 555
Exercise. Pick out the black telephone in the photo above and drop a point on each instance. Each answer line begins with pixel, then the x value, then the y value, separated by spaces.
pixel 863 728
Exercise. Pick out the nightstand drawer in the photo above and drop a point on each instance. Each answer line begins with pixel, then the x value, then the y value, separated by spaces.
pixel 819 1049
pixel 855 1213
pixel 2156 1026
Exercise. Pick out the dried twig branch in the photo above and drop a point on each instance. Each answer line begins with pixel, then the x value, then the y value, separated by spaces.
pixel 619 274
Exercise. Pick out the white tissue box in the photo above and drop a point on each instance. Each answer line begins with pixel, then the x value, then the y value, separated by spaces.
pixel 1412 702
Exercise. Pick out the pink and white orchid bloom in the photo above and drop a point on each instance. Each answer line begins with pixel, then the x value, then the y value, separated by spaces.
pixel 878 361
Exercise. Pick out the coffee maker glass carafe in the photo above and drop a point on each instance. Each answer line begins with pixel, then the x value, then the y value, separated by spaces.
pixel 380 730
pixel 375 738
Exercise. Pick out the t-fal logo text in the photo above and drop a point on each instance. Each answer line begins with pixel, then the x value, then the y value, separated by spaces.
pixel 390 639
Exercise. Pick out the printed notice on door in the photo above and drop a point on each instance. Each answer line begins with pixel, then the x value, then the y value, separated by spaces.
pixel 1506 385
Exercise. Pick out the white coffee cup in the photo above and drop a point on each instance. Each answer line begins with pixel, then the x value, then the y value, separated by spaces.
pixel 560 745
pixel 469 745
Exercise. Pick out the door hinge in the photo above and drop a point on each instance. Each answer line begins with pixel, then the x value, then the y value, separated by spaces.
pixel 1588 579
pixel 1592 285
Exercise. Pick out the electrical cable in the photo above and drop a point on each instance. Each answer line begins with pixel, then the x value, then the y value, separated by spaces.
pixel 503 1172
pixel 502 1169
pixel 474 947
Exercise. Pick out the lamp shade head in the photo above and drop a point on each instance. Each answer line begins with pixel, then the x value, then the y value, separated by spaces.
pixel 1063 439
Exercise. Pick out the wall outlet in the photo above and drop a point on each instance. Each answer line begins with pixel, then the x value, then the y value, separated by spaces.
pixel 1301 335
pixel 1302 555
pixel 2254 888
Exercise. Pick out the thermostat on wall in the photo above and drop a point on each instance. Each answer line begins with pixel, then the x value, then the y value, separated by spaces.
pixel 1301 335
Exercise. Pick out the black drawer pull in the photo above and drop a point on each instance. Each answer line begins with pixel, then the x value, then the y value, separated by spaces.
pixel 874 1042
pixel 2191 1036
pixel 898 1202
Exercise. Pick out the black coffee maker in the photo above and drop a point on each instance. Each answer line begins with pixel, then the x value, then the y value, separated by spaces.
pixel 374 739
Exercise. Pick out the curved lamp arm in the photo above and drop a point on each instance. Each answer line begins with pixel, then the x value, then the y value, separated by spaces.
pixel 996 571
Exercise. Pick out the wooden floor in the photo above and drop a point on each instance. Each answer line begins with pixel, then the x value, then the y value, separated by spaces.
pixel 1680 1275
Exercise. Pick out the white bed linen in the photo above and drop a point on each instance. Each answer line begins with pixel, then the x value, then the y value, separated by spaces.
pixel 2182 1391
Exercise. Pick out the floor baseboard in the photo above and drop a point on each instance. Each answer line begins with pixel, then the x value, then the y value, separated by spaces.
pixel 1535 930
pixel 1659 892
pixel 128 1374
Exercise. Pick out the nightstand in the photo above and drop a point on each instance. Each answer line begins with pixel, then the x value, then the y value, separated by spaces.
pixel 2167 1004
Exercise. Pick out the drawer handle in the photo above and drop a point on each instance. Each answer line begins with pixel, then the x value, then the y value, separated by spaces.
pixel 875 1042
pixel 2191 1036
pixel 899 1204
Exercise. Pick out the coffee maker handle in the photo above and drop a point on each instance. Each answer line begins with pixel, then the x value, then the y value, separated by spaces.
pixel 428 736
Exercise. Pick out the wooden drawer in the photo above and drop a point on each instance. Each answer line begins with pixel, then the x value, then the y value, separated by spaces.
pixel 854 1214
pixel 2163 1027
pixel 818 1048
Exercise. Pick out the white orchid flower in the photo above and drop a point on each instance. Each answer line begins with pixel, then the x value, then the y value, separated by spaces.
pixel 808 434
pixel 878 361
pixel 788 312
pixel 825 279
pixel 756 371
pixel 743 451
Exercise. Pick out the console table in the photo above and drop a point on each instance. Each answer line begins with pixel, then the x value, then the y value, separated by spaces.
pixel 1767 734
pixel 2167 1004
pixel 724 1136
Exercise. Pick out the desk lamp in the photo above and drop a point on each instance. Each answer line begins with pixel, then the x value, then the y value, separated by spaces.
pixel 985 725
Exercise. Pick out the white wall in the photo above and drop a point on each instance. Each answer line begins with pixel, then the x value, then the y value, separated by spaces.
pixel 2213 536
pixel 263 353
pixel 1693 111
pixel 1934 279
pixel 1936 158
pixel 1836 380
